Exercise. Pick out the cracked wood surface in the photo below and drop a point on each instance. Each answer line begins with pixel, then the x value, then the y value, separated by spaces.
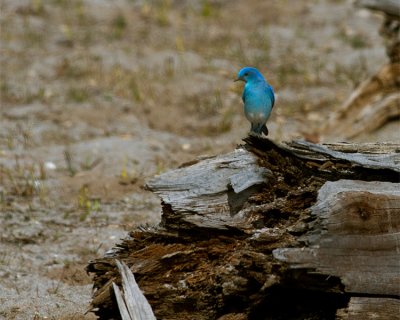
pixel 208 194
pixel 356 237
pixel 303 231
pixel 361 308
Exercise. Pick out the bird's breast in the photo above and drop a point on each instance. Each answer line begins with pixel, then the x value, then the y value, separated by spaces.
pixel 257 117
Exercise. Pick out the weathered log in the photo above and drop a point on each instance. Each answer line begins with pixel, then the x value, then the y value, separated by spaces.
pixel 356 234
pixel 185 190
pixel 269 231
pixel 132 303
pixel 361 308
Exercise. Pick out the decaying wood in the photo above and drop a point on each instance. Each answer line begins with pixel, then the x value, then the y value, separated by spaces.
pixel 367 155
pixel 185 189
pixel 315 228
pixel 356 233
pixel 132 303
pixel 361 308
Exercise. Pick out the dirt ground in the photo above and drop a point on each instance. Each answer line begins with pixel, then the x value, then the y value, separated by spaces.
pixel 97 96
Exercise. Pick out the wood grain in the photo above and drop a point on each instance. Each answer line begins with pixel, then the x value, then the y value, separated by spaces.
pixel 270 231
pixel 356 237
pixel 370 309
pixel 210 193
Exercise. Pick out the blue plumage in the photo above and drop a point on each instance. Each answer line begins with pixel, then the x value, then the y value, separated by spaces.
pixel 258 98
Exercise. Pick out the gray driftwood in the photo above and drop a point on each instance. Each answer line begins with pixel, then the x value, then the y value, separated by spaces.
pixel 270 231
pixel 132 303
pixel 356 237
pixel 225 181
pixel 361 308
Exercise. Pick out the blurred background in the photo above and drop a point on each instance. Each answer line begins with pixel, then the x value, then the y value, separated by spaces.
pixel 97 96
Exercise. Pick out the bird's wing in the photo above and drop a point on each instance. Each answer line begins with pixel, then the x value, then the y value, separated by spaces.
pixel 244 96
pixel 271 95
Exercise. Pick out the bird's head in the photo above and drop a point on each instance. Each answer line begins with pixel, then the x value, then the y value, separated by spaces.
pixel 249 74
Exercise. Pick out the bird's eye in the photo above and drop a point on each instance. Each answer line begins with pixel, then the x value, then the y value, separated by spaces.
pixel 246 74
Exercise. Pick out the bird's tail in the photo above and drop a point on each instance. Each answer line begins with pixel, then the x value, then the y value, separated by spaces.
pixel 264 129
pixel 259 129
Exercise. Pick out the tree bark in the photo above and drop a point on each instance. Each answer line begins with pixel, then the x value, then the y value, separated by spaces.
pixel 269 231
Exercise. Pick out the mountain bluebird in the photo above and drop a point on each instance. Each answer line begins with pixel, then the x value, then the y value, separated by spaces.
pixel 258 98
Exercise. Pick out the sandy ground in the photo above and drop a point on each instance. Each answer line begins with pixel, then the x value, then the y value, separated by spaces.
pixel 97 96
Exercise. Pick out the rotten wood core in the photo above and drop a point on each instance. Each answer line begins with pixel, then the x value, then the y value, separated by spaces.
pixel 270 231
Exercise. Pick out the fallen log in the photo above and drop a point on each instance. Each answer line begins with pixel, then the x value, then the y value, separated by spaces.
pixel 269 231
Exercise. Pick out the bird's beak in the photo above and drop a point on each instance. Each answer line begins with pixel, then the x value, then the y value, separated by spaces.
pixel 238 79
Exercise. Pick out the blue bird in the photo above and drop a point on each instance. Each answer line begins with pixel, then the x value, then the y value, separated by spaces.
pixel 258 98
